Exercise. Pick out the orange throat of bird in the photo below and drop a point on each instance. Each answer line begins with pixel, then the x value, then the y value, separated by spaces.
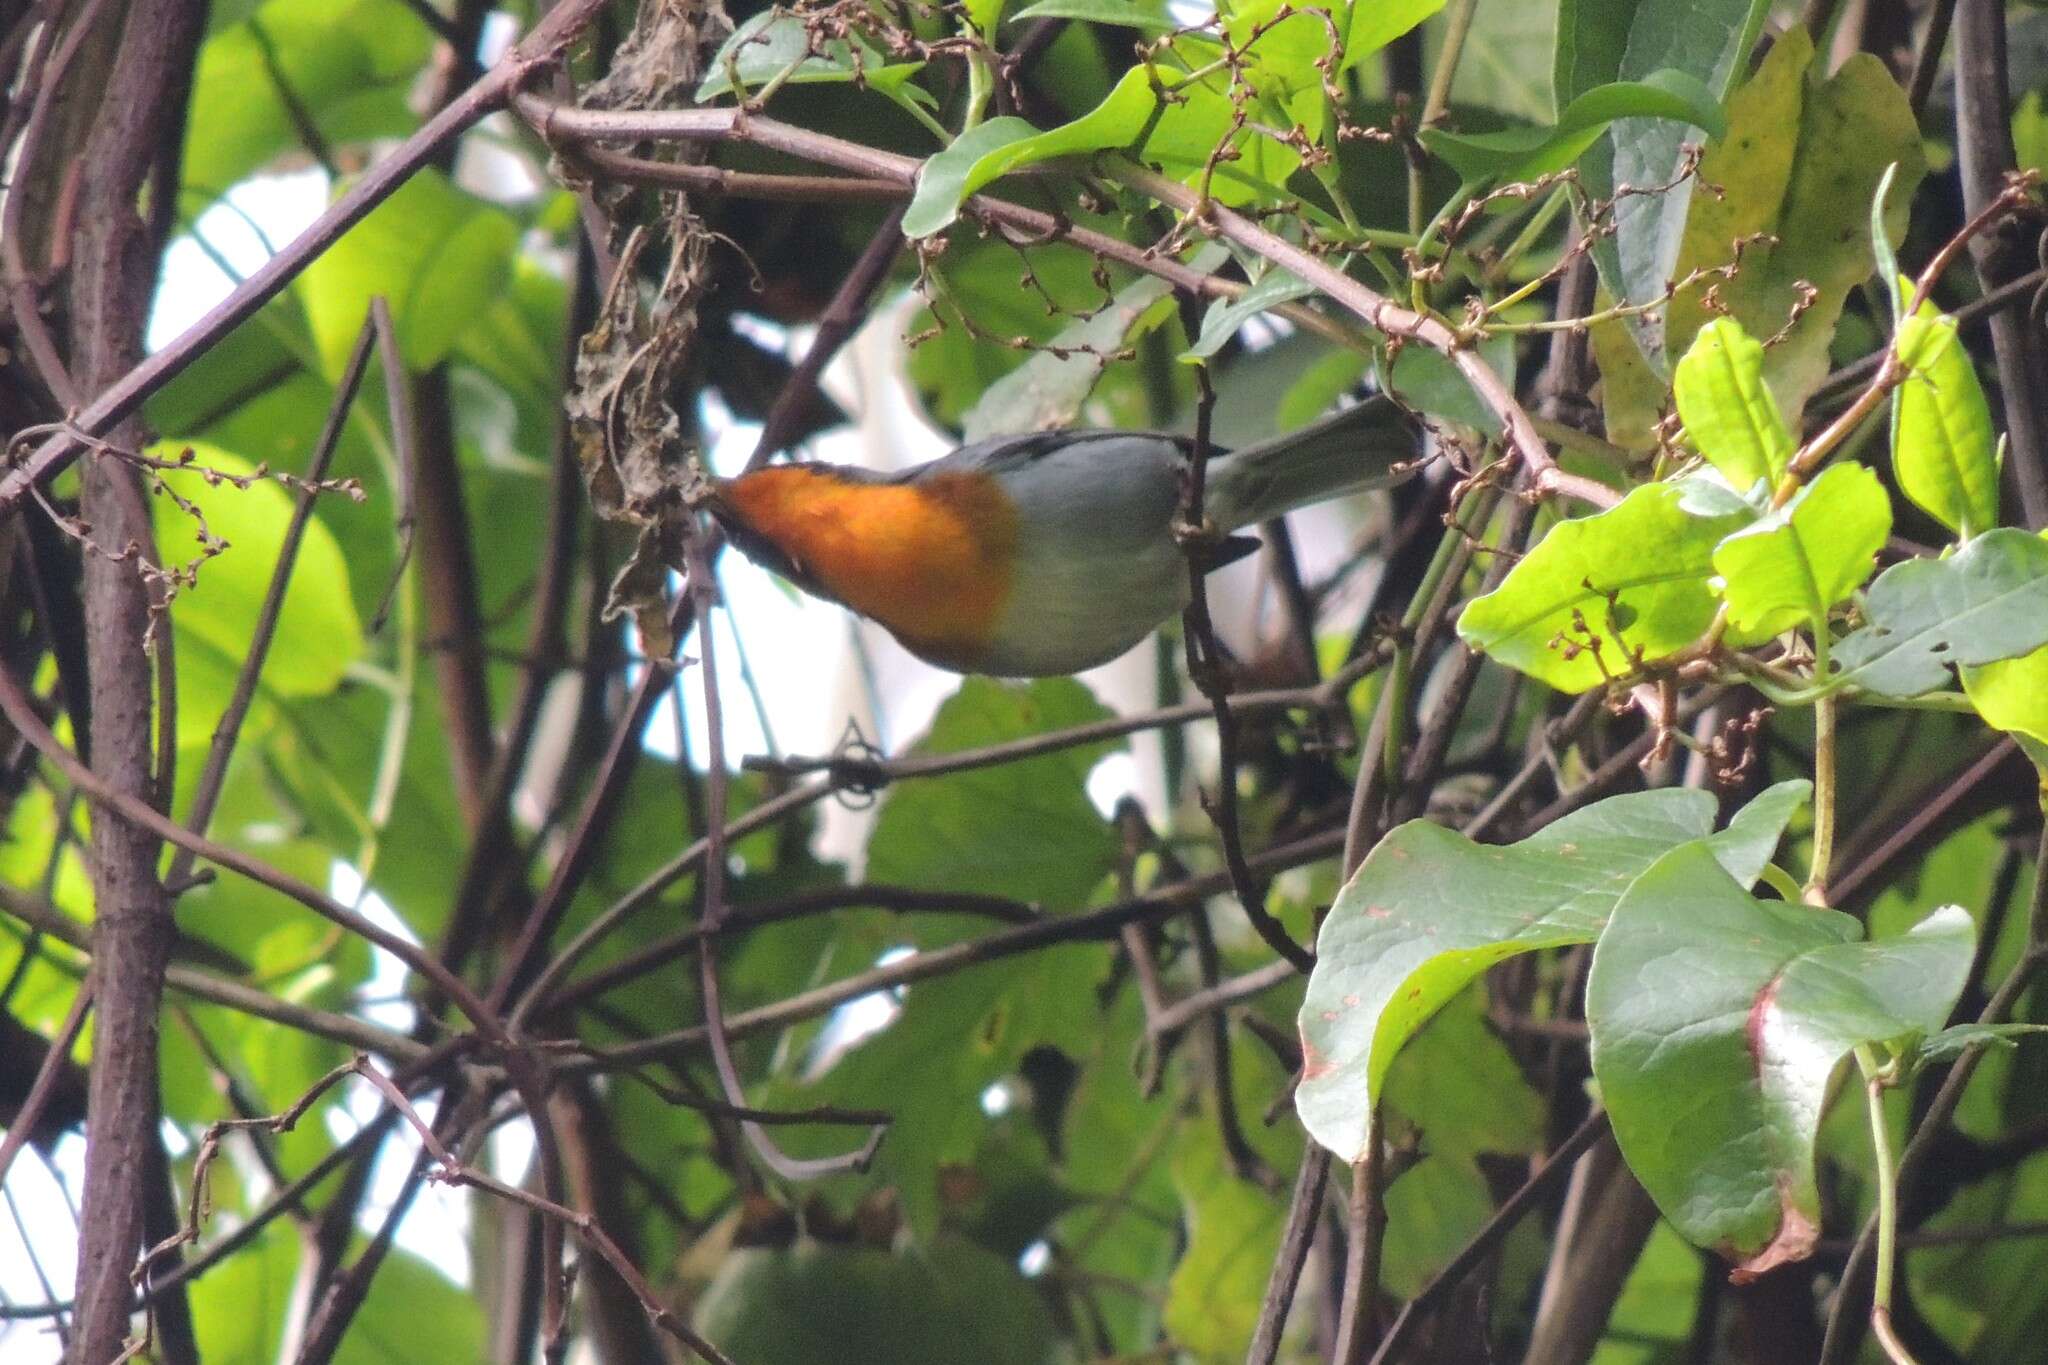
pixel 931 560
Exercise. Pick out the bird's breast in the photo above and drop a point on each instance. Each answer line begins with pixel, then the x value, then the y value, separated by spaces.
pixel 932 560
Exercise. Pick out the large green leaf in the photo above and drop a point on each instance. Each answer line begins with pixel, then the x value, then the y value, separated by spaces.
pixel 318 634
pixel 1728 412
pixel 1144 14
pixel 1457 1083
pixel 1791 565
pixel 1233 1231
pixel 1600 41
pixel 439 256
pixel 950 1302
pixel 344 67
pixel 1525 153
pixel 1025 830
pixel 1987 602
pixel 1800 163
pixel 413 1311
pixel 1600 593
pixel 1717 1020
pixel 1179 134
pixel 1429 910
pixel 1433 1208
pixel 1943 450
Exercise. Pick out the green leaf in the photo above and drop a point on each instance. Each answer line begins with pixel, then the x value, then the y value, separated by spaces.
pixel 1212 1299
pixel 1433 1208
pixel 1987 602
pixel 1801 157
pixel 440 257
pixel 1225 316
pixel 1375 23
pixel 1793 564
pixel 318 634
pixel 1751 839
pixel 1525 153
pixel 1457 1083
pixel 1600 592
pixel 1943 451
pixel 1952 1041
pixel 1332 375
pixel 1717 1020
pixel 815 1303
pixel 1727 410
pixel 238 1309
pixel 2012 694
pixel 1881 244
pixel 1047 390
pixel 1429 910
pixel 775 42
pixel 1026 830
pixel 1602 41
pixel 1427 381
pixel 344 66
pixel 1179 134
pixel 1145 14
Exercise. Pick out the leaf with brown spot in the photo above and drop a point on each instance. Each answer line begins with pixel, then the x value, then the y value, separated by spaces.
pixel 1429 910
pixel 1717 1020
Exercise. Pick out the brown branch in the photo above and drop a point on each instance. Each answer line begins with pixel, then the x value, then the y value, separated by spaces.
pixel 1101 923
pixel 113 274
pixel 123 396
pixel 662 951
pixel 1304 1215
pixel 1206 666
pixel 851 774
pixel 1984 156
pixel 587 1230
pixel 25 1119
pixel 46 919
pixel 846 311
pixel 447 582
pixel 1517 1206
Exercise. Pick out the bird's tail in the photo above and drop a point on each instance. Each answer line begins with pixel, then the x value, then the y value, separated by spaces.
pixel 1366 446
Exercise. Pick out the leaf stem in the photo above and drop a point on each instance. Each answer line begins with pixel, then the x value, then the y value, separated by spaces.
pixel 1457 24
pixel 1823 799
pixel 1875 1080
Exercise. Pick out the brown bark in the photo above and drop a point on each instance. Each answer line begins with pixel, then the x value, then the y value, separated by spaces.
pixel 114 273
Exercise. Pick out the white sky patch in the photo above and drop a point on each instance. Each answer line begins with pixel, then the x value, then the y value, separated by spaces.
pixel 1035 1258
pixel 243 231
pixel 36 1202
pixel 386 987
pixel 1111 780
pixel 858 1019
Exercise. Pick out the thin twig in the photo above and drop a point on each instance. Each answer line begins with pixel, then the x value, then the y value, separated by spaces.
pixel 552 34
pixel 23 1121
pixel 712 886
pixel 21 713
pixel 1517 1206
pixel 1304 1212
pixel 229 728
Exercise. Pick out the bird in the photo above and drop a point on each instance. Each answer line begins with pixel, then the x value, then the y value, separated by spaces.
pixel 1046 553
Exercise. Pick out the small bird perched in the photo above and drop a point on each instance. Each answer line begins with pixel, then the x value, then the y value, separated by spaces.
pixel 1042 554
